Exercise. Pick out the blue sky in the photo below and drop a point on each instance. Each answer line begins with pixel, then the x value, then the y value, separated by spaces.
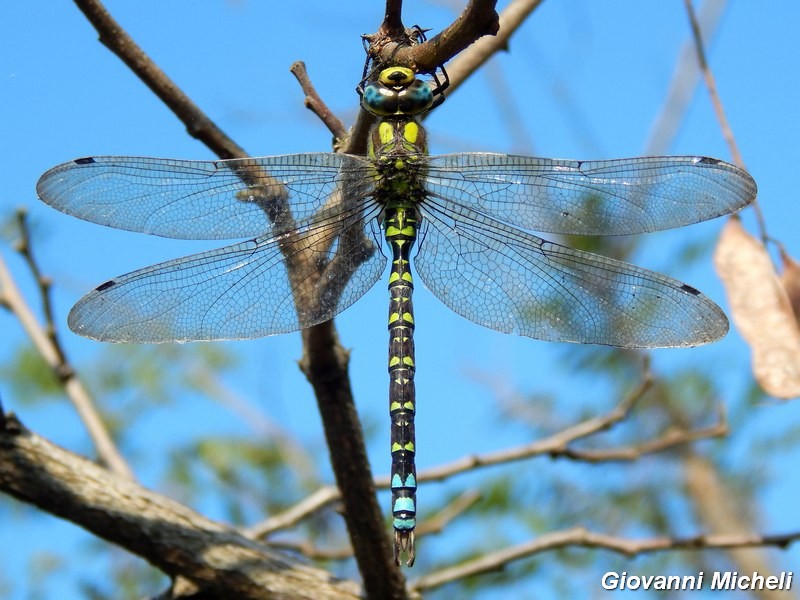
pixel 587 80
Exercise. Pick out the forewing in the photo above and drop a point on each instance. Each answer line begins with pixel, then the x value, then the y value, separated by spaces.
pixel 515 282
pixel 191 199
pixel 601 197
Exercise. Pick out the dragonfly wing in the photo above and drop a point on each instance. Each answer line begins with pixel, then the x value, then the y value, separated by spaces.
pixel 194 199
pixel 259 287
pixel 515 282
pixel 599 197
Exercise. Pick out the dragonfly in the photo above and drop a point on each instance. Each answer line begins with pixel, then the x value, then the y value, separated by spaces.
pixel 317 230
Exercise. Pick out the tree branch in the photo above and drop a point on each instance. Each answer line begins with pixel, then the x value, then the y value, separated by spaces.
pixel 116 39
pixel 46 343
pixel 309 505
pixel 554 445
pixel 580 537
pixel 314 103
pixel 483 49
pixel 170 536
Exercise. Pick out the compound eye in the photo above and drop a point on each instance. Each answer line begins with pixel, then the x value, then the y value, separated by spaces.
pixel 379 100
pixel 417 98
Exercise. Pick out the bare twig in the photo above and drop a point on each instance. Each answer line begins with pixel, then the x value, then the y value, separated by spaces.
pixel 175 539
pixel 24 247
pixel 449 513
pixel 685 77
pixel 711 84
pixel 435 524
pixel 671 438
pixel 482 50
pixel 314 553
pixel 309 505
pixel 314 103
pixel 580 537
pixel 393 43
pixel 555 445
pixel 478 19
pixel 46 343
pixel 116 39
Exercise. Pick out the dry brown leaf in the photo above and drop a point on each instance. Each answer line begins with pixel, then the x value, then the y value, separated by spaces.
pixel 790 278
pixel 760 309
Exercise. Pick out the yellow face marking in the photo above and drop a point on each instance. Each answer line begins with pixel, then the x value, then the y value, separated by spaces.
pixel 394 76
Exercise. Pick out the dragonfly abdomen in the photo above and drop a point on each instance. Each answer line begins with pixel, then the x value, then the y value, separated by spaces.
pixel 400 225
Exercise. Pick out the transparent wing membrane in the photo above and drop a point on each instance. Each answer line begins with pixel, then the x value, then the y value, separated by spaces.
pixel 240 291
pixel 513 281
pixel 598 197
pixel 312 252
pixel 200 200
pixel 314 245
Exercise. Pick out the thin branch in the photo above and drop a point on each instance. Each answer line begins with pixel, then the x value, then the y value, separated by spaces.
pixel 395 44
pixel 711 84
pixel 393 18
pixel 289 518
pixel 478 19
pixel 312 552
pixel 434 524
pixel 671 438
pixel 25 248
pixel 116 39
pixel 46 343
pixel 469 61
pixel 175 539
pixel 555 445
pixel 325 364
pixel 437 522
pixel 315 104
pixel 581 538
pixel 684 80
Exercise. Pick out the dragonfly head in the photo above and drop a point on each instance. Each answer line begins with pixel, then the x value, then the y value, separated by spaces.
pixel 397 92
